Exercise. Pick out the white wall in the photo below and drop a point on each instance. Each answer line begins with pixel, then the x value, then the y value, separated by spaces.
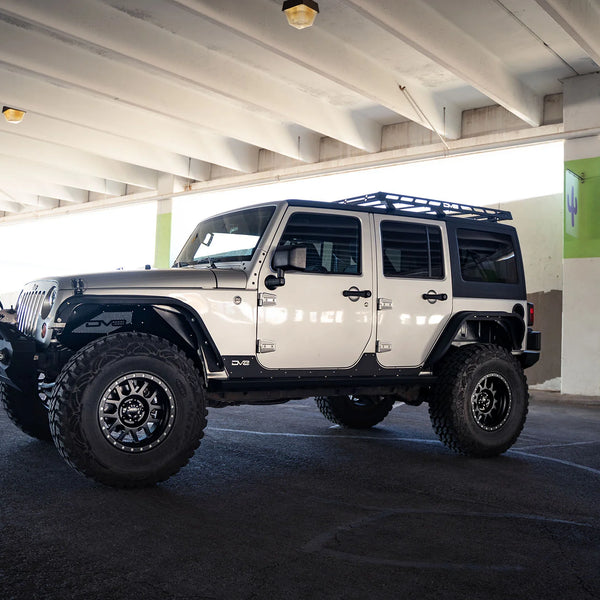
pixel 539 222
pixel 581 317
pixel 581 327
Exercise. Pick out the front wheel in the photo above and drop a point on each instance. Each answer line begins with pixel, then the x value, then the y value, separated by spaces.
pixel 479 405
pixel 356 412
pixel 128 410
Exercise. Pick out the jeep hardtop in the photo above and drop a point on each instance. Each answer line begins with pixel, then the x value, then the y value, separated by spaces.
pixel 359 303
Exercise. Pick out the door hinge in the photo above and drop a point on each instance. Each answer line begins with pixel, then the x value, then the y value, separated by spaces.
pixel 266 299
pixel 383 347
pixel 264 346
pixel 384 304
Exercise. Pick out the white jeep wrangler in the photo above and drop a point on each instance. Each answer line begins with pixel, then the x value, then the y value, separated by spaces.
pixel 359 303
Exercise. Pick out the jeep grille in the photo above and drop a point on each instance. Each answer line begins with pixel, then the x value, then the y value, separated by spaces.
pixel 29 306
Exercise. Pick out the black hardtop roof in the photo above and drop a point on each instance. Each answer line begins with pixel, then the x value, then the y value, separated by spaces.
pixel 400 204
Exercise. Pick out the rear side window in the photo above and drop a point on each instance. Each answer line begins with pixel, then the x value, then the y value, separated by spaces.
pixel 486 257
pixel 332 242
pixel 412 250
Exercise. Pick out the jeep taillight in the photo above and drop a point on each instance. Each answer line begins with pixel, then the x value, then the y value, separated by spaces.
pixel 530 314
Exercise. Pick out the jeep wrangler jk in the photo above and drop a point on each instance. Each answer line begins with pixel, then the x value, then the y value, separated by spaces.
pixel 359 303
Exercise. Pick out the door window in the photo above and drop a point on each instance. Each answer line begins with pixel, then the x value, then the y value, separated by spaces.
pixel 332 242
pixel 411 250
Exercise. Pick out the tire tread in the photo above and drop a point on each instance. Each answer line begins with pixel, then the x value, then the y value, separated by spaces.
pixel 71 382
pixel 454 376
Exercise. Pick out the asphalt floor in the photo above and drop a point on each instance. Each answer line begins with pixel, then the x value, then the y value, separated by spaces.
pixel 278 503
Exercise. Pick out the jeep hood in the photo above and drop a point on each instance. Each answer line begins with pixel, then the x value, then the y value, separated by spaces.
pixel 155 279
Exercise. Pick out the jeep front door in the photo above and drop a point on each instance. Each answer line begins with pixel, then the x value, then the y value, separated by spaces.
pixel 321 317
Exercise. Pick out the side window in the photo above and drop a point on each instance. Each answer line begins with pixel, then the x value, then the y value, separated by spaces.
pixel 412 250
pixel 332 241
pixel 486 257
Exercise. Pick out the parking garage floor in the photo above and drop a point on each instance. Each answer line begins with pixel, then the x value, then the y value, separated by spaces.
pixel 277 503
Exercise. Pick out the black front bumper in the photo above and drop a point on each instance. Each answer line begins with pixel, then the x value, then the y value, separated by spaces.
pixel 17 356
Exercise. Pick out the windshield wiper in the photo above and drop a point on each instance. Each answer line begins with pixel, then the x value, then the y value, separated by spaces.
pixel 205 260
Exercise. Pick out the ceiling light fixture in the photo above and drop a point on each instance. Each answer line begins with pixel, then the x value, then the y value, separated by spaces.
pixel 300 13
pixel 13 115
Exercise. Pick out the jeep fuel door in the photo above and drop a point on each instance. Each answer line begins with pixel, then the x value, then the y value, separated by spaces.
pixel 414 291
pixel 319 315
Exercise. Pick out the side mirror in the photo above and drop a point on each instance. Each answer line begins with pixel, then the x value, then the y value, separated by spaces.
pixel 290 259
pixel 286 259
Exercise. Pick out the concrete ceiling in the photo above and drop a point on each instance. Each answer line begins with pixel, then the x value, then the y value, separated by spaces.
pixel 139 99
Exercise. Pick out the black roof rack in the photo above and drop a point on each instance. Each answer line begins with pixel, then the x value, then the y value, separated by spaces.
pixel 411 204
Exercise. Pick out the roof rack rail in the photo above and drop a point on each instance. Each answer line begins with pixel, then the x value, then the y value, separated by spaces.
pixel 411 204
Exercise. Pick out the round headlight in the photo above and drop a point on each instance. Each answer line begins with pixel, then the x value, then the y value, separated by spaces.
pixel 48 302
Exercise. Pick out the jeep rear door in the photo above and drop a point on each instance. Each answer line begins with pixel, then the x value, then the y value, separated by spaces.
pixel 315 320
pixel 414 288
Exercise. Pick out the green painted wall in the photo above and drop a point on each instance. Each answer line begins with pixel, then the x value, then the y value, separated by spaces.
pixel 582 208
pixel 162 253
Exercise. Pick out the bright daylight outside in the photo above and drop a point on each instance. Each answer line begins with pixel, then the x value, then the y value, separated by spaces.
pixel 123 237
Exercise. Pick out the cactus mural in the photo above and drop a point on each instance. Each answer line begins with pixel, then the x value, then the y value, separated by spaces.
pixel 582 208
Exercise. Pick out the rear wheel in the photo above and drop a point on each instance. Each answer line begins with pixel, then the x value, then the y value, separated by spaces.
pixel 128 410
pixel 480 402
pixel 357 412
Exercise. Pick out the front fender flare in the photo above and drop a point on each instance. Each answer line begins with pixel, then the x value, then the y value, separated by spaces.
pixel 181 314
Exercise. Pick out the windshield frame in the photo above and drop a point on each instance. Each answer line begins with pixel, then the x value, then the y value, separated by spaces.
pixel 218 225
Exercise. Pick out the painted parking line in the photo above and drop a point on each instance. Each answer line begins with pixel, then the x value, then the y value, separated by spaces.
pixel 400 439
pixel 567 463
pixel 322 435
pixel 563 445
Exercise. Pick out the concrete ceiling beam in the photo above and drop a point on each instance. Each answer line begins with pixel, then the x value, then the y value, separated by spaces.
pixel 580 19
pixel 15 183
pixel 191 63
pixel 77 161
pixel 7 204
pixel 433 35
pixel 28 200
pixel 77 65
pixel 12 166
pixel 110 146
pixel 44 96
pixel 322 53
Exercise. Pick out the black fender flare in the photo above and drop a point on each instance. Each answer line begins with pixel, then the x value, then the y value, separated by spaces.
pixel 177 316
pixel 512 324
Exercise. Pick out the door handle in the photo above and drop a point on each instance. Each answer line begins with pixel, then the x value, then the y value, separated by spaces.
pixel 355 293
pixel 432 296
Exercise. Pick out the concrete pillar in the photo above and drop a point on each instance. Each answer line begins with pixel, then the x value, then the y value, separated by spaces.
pixel 167 184
pixel 580 362
pixel 162 247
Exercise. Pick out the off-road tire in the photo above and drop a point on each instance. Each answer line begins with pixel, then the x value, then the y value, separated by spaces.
pixel 479 404
pixel 111 367
pixel 26 410
pixel 355 412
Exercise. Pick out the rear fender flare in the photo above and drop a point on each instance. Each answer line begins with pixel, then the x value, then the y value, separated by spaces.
pixel 512 326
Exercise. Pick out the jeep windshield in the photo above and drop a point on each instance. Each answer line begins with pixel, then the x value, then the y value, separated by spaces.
pixel 232 237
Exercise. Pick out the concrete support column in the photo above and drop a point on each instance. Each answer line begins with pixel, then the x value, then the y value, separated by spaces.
pixel 580 363
pixel 167 184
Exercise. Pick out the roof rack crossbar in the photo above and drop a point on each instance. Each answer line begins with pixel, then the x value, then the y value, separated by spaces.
pixel 426 206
